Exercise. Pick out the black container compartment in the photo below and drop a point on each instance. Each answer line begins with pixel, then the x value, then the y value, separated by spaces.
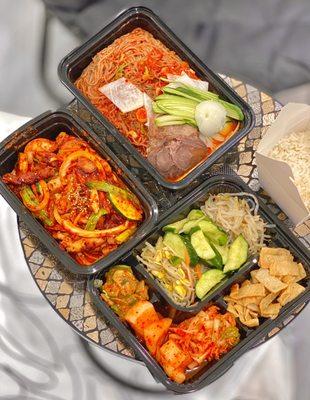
pixel 280 236
pixel 49 125
pixel 209 372
pixel 75 62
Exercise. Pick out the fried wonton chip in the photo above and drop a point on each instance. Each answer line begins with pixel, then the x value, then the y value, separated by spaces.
pixel 234 291
pixel 251 300
pixel 275 251
pixel 293 278
pixel 266 301
pixel 272 311
pixel 250 322
pixel 283 268
pixel 270 287
pixel 254 289
pixel 270 254
pixel 271 283
pixel 254 308
pixel 253 274
pixel 289 279
pixel 239 309
pixel 231 308
pixel 302 273
pixel 290 293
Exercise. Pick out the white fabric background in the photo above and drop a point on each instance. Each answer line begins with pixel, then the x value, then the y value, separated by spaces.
pixel 41 357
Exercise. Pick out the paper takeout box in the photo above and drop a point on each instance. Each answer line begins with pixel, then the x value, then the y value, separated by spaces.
pixel 276 176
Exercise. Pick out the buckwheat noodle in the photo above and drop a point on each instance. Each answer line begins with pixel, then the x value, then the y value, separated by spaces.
pixel 141 59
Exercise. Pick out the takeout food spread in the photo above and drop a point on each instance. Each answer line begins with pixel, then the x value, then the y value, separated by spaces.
pixel 193 292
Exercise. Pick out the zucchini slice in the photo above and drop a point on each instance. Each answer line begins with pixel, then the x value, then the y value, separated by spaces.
pixel 124 236
pixel 125 206
pixel 189 225
pixel 223 250
pixel 125 202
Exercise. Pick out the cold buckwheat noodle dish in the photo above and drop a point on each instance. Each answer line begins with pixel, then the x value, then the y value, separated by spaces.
pixel 158 103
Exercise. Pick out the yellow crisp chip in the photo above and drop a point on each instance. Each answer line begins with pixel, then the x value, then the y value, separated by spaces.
pixel 272 310
pixel 231 309
pixel 289 278
pixel 275 280
pixel 275 251
pixel 253 308
pixel 270 254
pixel 250 322
pixel 283 268
pixel 264 304
pixel 302 273
pixel 251 300
pixel 290 293
pixel 255 289
pixel 253 274
pixel 239 309
pixel 234 291
pixel 271 283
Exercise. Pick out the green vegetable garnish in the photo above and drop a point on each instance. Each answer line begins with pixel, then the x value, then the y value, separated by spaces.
pixel 94 218
pixel 29 198
pixel 178 105
pixel 231 332
pixel 175 261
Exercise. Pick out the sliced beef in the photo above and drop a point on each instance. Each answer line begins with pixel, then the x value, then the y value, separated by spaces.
pixel 170 131
pixel 172 157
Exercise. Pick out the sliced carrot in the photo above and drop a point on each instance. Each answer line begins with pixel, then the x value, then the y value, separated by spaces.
pixel 141 115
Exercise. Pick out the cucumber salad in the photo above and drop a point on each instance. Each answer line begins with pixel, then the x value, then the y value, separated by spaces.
pixel 196 253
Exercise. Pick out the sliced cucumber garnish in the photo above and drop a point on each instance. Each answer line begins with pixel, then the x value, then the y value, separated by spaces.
pixel 237 254
pixel 175 243
pixel 175 227
pixel 213 232
pixel 202 246
pixel 207 281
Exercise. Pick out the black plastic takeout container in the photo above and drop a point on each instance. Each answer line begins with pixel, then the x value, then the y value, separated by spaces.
pixel 74 63
pixel 49 125
pixel 280 237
